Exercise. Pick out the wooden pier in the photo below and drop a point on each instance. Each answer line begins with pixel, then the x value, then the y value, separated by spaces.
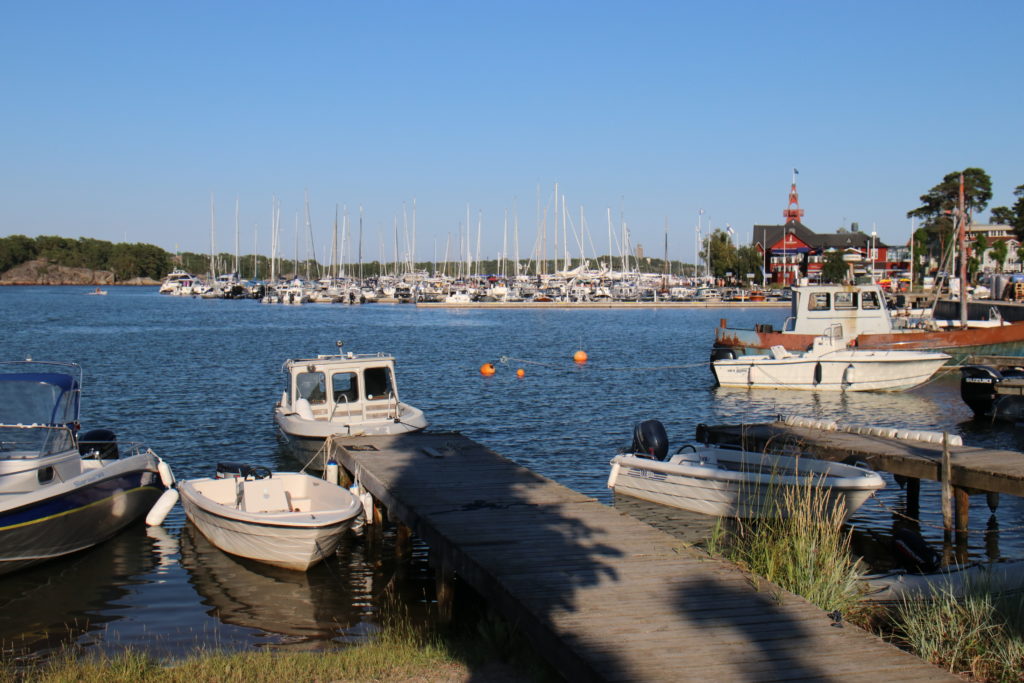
pixel 600 595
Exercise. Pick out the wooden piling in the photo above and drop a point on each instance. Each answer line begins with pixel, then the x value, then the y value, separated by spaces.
pixel 947 487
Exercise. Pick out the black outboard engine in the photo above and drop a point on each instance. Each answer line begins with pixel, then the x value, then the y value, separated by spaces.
pixel 913 553
pixel 98 443
pixel 650 440
pixel 978 387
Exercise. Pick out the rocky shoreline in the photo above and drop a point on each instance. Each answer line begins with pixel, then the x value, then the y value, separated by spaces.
pixel 43 272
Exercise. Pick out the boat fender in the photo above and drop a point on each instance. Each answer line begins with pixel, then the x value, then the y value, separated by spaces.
pixel 303 409
pixel 331 471
pixel 163 505
pixel 166 475
pixel 848 375
pixel 614 475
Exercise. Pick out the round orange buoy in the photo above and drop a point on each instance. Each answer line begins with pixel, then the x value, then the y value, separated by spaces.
pixel 487 369
pixel 520 373
pixel 580 357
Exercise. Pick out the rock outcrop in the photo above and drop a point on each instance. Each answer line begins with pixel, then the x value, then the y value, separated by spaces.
pixel 42 272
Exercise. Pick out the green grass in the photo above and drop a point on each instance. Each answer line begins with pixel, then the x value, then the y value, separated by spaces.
pixel 801 546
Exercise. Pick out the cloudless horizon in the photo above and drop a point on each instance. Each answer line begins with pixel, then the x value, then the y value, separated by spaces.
pixel 122 119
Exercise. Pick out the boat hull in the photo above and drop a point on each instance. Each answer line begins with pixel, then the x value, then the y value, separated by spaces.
pixel 306 438
pixel 1005 340
pixel 857 371
pixel 77 514
pixel 291 540
pixel 711 490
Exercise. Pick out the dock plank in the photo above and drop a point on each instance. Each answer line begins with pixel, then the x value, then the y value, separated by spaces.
pixel 600 594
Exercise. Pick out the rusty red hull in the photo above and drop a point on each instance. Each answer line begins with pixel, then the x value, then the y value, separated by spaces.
pixel 1007 340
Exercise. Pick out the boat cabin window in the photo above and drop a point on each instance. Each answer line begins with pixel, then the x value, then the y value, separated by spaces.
pixel 846 301
pixel 345 387
pixel 311 386
pixel 869 301
pixel 378 382
pixel 819 301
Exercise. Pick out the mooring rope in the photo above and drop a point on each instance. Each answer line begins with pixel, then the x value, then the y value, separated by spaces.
pixel 921 522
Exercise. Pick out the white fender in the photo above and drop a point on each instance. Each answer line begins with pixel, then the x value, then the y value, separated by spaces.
pixel 166 475
pixel 613 476
pixel 331 471
pixel 163 505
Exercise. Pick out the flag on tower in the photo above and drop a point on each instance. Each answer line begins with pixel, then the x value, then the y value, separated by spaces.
pixel 796 172
pixel 728 229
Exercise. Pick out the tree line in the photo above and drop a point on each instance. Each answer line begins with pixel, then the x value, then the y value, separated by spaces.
pixel 125 260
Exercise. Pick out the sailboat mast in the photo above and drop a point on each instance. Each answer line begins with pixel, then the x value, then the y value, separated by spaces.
pixel 962 215
pixel 236 236
pixel 213 245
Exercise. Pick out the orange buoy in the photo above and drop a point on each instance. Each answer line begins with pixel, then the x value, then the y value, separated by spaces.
pixel 520 373
pixel 580 357
pixel 487 369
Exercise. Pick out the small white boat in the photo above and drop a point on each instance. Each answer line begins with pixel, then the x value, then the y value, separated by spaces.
pixel 830 366
pixel 287 519
pixel 341 396
pixel 731 483
pixel 97 292
pixel 957 581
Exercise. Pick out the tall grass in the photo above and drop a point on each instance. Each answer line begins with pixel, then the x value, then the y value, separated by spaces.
pixel 980 634
pixel 800 546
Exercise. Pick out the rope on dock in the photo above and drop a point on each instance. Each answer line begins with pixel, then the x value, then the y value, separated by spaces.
pixel 938 526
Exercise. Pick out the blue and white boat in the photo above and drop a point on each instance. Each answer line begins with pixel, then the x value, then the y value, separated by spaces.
pixel 61 491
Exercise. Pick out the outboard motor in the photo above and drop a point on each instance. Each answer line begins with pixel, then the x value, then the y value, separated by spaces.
pixel 650 440
pixel 978 387
pixel 98 443
pixel 720 353
pixel 913 553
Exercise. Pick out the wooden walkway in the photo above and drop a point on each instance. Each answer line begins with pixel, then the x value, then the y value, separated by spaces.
pixel 600 595
pixel 981 469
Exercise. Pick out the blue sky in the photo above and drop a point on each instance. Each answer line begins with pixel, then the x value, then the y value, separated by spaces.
pixel 120 119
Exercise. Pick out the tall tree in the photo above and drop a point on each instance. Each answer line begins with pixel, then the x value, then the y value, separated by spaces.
pixel 1012 215
pixel 835 269
pixel 936 210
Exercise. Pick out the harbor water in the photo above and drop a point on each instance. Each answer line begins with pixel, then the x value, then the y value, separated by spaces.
pixel 196 380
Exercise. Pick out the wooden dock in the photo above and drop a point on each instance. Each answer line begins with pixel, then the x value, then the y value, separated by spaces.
pixel 975 469
pixel 600 595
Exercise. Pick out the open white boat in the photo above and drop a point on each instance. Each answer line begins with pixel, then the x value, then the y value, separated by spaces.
pixel 731 483
pixel 341 396
pixel 62 491
pixel 829 365
pixel 287 519
pixel 957 581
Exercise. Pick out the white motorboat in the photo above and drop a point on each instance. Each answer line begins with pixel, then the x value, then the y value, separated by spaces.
pixel 287 519
pixel 731 483
pixel 829 365
pixel 61 491
pixel 341 396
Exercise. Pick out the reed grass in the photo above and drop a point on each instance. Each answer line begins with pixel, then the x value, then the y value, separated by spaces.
pixel 979 635
pixel 800 546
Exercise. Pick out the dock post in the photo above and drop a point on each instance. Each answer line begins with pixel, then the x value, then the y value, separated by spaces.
pixel 947 488
pixel 914 498
pixel 444 579
pixel 403 536
pixel 963 503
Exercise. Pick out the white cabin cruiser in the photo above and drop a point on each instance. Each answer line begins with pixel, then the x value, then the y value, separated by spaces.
pixel 287 519
pixel 829 365
pixel 731 483
pixel 341 396
pixel 61 491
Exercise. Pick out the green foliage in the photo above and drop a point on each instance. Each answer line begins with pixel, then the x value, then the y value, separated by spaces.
pixel 834 269
pixel 939 202
pixel 1000 250
pixel 126 261
pixel 1013 216
pixel 724 257
pixel 15 250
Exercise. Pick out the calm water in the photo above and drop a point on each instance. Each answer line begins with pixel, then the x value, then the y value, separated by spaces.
pixel 196 381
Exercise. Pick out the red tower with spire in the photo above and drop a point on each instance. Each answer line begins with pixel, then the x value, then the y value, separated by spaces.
pixel 793 213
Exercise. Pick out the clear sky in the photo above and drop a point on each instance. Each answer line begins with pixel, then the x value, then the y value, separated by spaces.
pixel 120 119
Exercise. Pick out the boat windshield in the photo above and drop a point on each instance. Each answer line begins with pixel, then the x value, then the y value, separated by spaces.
pixel 38 398
pixel 378 382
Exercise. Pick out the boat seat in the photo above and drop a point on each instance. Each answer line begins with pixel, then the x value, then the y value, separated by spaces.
pixel 779 352
pixel 265 495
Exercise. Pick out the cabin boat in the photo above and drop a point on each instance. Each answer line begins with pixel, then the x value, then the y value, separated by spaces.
pixel 867 324
pixel 62 491
pixel 179 283
pixel 341 396
pixel 829 366
pixel 732 483
pixel 287 519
